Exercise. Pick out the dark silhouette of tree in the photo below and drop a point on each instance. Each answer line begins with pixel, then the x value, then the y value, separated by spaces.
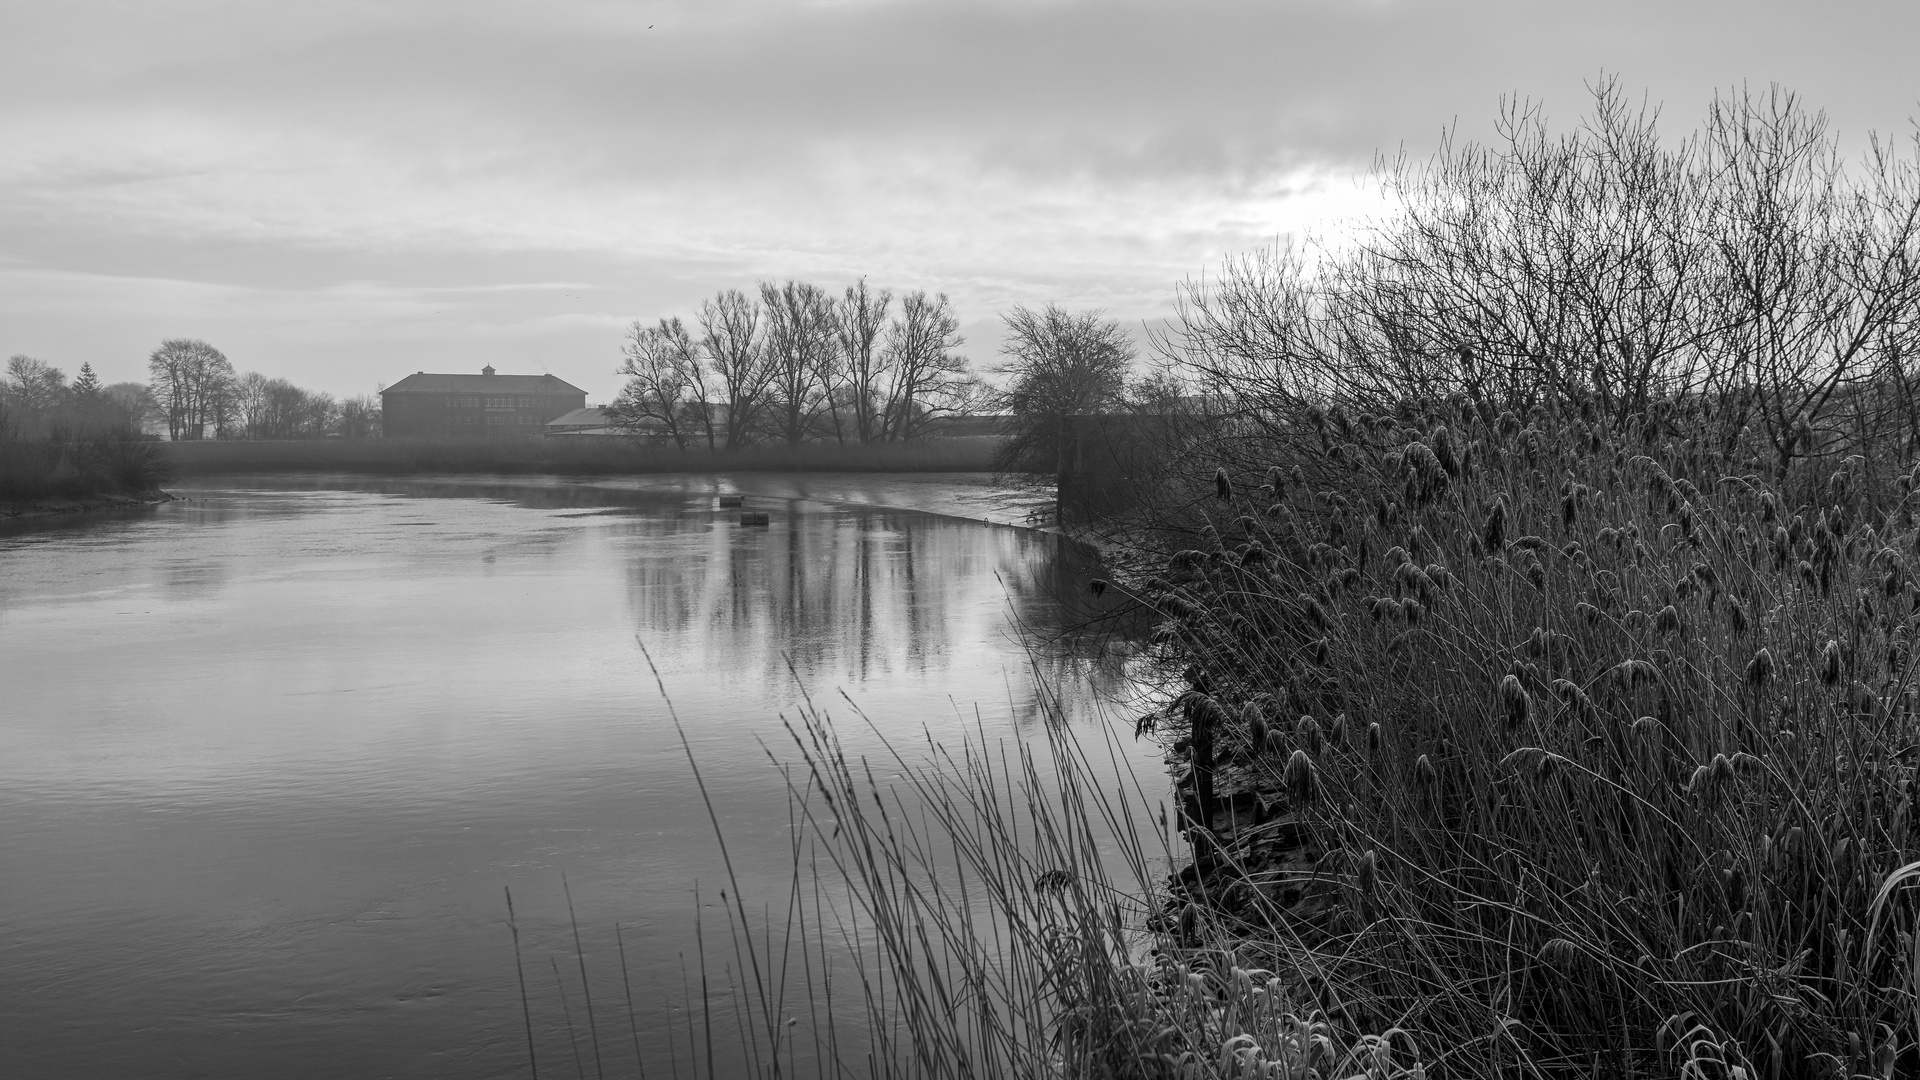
pixel 860 318
pixel 801 340
pixel 925 377
pixel 86 387
pixel 665 384
pixel 34 387
pixel 358 417
pixel 132 404
pixel 730 336
pixel 194 384
pixel 1745 266
pixel 1058 365
pixel 260 407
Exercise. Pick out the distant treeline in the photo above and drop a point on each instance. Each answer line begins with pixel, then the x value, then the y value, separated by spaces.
pixel 795 364
pixel 62 439
pixel 193 393
pixel 197 394
pixel 37 401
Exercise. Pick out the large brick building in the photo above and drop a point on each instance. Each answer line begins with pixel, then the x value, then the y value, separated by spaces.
pixel 483 406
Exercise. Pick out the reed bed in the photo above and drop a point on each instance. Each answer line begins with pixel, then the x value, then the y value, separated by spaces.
pixel 1568 747
pixel 582 455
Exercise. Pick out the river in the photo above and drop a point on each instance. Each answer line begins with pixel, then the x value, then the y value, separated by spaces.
pixel 270 754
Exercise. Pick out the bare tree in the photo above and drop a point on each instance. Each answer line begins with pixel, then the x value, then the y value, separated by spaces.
pixel 662 367
pixel 1744 269
pixel 800 344
pixel 193 381
pixel 923 376
pixel 252 403
pixel 270 408
pixel 730 335
pixel 860 318
pixel 34 387
pixel 133 402
pixel 358 417
pixel 1058 365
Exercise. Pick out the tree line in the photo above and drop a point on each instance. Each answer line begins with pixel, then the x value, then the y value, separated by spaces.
pixel 192 389
pixel 197 392
pixel 37 400
pixel 793 362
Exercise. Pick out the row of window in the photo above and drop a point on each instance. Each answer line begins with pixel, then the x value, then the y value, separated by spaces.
pixel 469 401
pixel 520 420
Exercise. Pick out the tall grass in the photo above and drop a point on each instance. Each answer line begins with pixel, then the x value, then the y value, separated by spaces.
pixel 1559 744
pixel 983 912
pixel 583 455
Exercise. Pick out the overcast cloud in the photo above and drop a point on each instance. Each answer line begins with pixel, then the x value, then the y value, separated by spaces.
pixel 345 192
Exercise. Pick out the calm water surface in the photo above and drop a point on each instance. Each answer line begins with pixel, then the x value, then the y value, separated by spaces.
pixel 269 754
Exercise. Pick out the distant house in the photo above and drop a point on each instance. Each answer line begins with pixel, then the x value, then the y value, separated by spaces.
pixel 483 406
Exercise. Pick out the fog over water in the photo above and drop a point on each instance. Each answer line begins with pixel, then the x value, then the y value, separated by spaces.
pixel 269 754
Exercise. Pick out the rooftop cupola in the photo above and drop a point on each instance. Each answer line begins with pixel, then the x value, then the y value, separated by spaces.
pixel 488 370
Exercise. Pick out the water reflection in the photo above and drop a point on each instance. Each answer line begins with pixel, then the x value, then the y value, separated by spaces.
pixel 268 755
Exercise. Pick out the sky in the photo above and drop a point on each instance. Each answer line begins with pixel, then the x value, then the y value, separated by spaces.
pixel 343 192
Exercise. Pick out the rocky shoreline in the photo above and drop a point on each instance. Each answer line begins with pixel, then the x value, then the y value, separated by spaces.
pixel 80 504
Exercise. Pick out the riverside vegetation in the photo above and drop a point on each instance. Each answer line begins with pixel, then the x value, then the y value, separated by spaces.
pixel 1534 602
pixel 71 446
pixel 1539 575
pixel 69 470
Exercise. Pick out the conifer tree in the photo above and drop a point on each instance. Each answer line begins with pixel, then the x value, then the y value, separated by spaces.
pixel 86 387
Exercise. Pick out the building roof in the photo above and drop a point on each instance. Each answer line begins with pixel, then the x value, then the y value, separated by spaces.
pixel 421 382
pixel 582 418
pixel 586 422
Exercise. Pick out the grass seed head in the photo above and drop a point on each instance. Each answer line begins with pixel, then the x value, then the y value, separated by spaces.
pixel 1301 778
pixel 1515 701
pixel 1830 663
pixel 1368 874
pixel 1667 622
pixel 1256 721
pixel 1494 532
pixel 1308 732
pixel 1275 743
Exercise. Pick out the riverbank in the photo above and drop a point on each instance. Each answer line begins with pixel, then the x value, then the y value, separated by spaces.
pixel 1439 724
pixel 79 504
pixel 577 456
